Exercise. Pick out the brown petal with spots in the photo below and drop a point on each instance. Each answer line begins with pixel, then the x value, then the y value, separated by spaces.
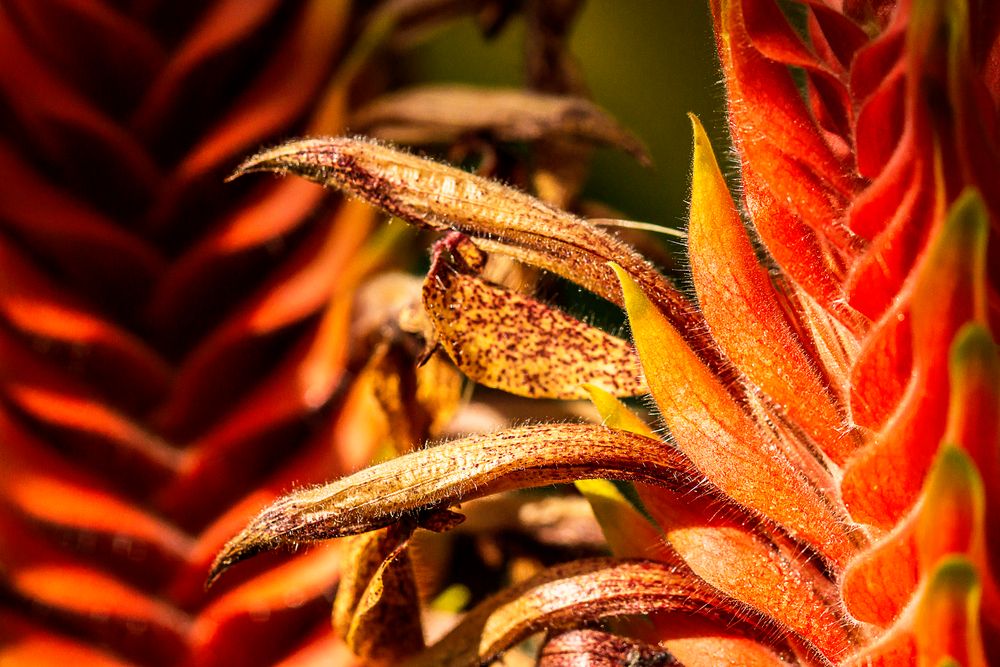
pixel 509 341
pixel 445 114
pixel 581 591
pixel 419 487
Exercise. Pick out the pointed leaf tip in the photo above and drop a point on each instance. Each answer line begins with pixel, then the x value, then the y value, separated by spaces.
pixel 632 294
pixel 745 315
pixel 969 215
pixel 947 623
pixel 704 156
pixel 953 510
pixel 304 157
pixel 974 350
pixel 614 413
pixel 260 535
pixel 628 533
pixel 974 403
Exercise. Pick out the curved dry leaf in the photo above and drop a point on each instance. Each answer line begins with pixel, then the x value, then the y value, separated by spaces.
pixel 581 591
pixel 236 445
pixel 315 461
pixel 377 608
pixel 507 340
pixel 435 196
pixel 594 648
pixel 744 314
pixel 421 486
pixel 449 113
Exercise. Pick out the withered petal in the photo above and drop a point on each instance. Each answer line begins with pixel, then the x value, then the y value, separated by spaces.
pixel 439 197
pixel 377 610
pixel 448 113
pixel 585 590
pixel 419 484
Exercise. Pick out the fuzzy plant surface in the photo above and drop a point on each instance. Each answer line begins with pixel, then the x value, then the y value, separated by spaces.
pixel 176 352
pixel 820 486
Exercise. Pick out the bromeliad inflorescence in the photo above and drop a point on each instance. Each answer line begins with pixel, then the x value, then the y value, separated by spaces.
pixel 826 491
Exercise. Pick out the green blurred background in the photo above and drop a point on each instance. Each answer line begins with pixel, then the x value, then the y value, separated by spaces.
pixel 648 62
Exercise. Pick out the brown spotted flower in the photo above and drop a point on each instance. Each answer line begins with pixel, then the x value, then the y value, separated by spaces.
pixel 821 487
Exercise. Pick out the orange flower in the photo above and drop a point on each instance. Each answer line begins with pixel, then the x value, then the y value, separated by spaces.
pixel 827 489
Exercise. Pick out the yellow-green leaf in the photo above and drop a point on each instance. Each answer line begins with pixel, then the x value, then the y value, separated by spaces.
pixel 614 413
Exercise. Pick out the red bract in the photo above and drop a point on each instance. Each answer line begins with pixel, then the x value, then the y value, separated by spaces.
pixel 176 352
pixel 826 492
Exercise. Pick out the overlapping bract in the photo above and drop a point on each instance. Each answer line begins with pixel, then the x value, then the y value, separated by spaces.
pixel 176 352
pixel 833 410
